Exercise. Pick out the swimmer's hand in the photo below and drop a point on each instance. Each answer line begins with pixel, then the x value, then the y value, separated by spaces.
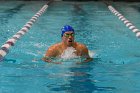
pixel 85 61
pixel 88 59
pixel 47 59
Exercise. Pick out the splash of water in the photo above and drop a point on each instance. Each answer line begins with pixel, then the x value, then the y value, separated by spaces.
pixel 69 53
pixel 91 53
pixel 69 56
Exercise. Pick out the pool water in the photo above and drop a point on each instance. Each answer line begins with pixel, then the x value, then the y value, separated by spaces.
pixel 115 68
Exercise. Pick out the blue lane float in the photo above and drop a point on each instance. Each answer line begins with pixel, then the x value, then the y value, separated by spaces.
pixel 125 21
pixel 10 42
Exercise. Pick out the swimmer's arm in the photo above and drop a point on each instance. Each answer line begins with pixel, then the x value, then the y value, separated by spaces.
pixel 51 52
pixel 85 61
pixel 86 55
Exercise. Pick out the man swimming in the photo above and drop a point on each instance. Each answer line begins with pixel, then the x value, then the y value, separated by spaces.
pixel 58 49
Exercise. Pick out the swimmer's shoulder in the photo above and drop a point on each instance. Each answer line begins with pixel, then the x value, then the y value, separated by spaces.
pixel 80 45
pixel 55 46
pixel 53 50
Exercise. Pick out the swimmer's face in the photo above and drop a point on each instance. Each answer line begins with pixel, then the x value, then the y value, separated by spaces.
pixel 68 38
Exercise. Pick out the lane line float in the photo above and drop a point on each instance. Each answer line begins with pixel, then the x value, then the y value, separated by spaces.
pixel 10 42
pixel 128 24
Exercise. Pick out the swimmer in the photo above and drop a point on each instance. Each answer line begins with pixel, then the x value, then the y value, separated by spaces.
pixel 58 49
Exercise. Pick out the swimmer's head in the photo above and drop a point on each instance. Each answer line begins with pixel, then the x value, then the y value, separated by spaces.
pixel 66 28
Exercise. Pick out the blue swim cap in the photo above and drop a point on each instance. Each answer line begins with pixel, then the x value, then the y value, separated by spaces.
pixel 66 28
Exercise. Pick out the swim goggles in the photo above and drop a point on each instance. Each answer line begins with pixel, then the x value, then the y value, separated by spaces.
pixel 67 35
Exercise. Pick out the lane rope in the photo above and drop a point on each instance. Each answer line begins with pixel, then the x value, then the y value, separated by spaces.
pixel 11 42
pixel 128 24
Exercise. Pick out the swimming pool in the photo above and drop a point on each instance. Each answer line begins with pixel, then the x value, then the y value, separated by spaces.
pixel 115 68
